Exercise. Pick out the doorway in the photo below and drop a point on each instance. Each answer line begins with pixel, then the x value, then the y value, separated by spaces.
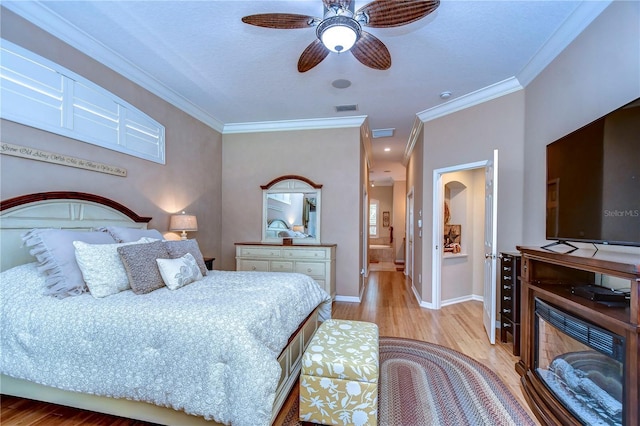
pixel 478 250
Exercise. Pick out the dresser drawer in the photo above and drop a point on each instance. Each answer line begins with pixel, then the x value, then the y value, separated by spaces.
pixel 259 252
pixel 311 268
pixel 305 253
pixel 280 266
pixel 253 265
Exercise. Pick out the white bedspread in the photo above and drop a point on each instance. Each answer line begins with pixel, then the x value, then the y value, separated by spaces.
pixel 209 348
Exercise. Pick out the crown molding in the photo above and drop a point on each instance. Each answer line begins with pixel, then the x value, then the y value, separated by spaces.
pixel 39 15
pixel 496 90
pixel 413 138
pixel 571 28
pixel 287 125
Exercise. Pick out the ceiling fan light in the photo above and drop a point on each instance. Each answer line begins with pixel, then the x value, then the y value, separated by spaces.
pixel 338 33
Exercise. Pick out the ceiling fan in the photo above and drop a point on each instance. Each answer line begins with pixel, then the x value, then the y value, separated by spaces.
pixel 340 30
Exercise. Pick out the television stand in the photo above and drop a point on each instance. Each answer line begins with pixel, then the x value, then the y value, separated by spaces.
pixel 559 243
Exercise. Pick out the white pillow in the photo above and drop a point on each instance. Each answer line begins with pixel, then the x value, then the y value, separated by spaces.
pixel 101 267
pixel 179 272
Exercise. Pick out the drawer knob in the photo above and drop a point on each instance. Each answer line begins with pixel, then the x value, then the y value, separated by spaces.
pixel 253 268
pixel 506 287
pixel 308 269
pixel 506 278
pixel 507 297
pixel 507 268
pixel 506 311
pixel 506 325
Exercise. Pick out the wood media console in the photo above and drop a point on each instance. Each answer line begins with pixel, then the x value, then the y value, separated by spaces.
pixel 580 354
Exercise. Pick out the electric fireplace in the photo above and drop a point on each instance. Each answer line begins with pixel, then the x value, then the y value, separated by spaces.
pixel 580 356
pixel 581 364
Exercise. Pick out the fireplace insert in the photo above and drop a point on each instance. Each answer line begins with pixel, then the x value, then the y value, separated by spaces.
pixel 582 364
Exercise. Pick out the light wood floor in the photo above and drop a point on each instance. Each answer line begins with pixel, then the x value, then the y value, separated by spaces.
pixel 388 301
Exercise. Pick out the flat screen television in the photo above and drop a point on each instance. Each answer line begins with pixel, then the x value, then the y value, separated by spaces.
pixel 593 181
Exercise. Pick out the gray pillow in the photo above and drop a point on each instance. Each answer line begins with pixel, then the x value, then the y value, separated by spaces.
pixel 123 234
pixel 180 248
pixel 56 256
pixel 139 262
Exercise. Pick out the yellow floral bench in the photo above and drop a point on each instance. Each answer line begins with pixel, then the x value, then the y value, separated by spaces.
pixel 339 378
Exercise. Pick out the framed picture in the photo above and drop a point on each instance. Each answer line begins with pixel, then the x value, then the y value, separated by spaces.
pixel 385 219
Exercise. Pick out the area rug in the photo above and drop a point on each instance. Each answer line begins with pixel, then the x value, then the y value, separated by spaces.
pixel 423 383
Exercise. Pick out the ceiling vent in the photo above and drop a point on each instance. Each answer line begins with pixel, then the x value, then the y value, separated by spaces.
pixel 383 133
pixel 345 108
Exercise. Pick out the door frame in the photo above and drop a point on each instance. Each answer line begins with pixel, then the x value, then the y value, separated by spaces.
pixel 438 226
pixel 410 243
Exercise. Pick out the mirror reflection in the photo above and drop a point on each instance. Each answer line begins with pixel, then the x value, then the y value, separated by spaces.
pixel 291 215
pixel 291 209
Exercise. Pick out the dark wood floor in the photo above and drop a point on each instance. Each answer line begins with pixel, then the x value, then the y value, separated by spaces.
pixel 388 301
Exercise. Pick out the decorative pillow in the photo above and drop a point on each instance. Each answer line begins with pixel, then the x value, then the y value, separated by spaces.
pixel 139 262
pixel 102 268
pixel 180 248
pixel 122 234
pixel 54 250
pixel 179 272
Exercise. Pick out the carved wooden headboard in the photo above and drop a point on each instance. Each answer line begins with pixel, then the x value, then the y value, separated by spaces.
pixel 60 210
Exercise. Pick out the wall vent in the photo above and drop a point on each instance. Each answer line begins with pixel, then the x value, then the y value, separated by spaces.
pixel 345 108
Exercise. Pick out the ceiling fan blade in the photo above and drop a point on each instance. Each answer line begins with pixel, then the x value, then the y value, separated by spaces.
pixel 370 51
pixel 312 56
pixel 389 13
pixel 280 20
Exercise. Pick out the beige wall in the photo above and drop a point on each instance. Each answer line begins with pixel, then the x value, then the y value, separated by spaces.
pixel 415 186
pixel 470 136
pixel 399 218
pixel 597 73
pixel 329 157
pixel 190 180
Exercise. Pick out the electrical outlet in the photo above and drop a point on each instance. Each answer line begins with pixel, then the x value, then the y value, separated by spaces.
pixel 419 278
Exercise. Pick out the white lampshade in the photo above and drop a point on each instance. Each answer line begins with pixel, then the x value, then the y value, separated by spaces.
pixel 183 222
pixel 338 33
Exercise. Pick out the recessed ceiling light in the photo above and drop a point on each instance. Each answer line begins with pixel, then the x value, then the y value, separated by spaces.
pixel 445 95
pixel 387 149
pixel 341 83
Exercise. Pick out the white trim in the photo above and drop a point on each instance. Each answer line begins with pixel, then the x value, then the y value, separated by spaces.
pixel 580 18
pixel 413 138
pixel 478 97
pixel 349 299
pixel 285 125
pixel 461 299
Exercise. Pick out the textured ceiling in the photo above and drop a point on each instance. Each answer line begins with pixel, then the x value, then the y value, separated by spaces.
pixel 200 56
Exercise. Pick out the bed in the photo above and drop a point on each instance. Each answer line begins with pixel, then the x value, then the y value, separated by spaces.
pixel 224 349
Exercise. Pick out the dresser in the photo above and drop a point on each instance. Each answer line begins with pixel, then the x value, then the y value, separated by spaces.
pixel 510 299
pixel 317 261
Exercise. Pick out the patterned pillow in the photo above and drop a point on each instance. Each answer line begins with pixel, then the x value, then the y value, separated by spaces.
pixel 53 248
pixel 180 248
pixel 122 234
pixel 102 268
pixel 139 262
pixel 179 272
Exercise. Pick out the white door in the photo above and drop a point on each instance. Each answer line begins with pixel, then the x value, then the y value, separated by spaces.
pixel 490 246
pixel 408 262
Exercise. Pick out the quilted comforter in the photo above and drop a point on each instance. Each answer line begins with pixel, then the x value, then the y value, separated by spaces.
pixel 209 348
